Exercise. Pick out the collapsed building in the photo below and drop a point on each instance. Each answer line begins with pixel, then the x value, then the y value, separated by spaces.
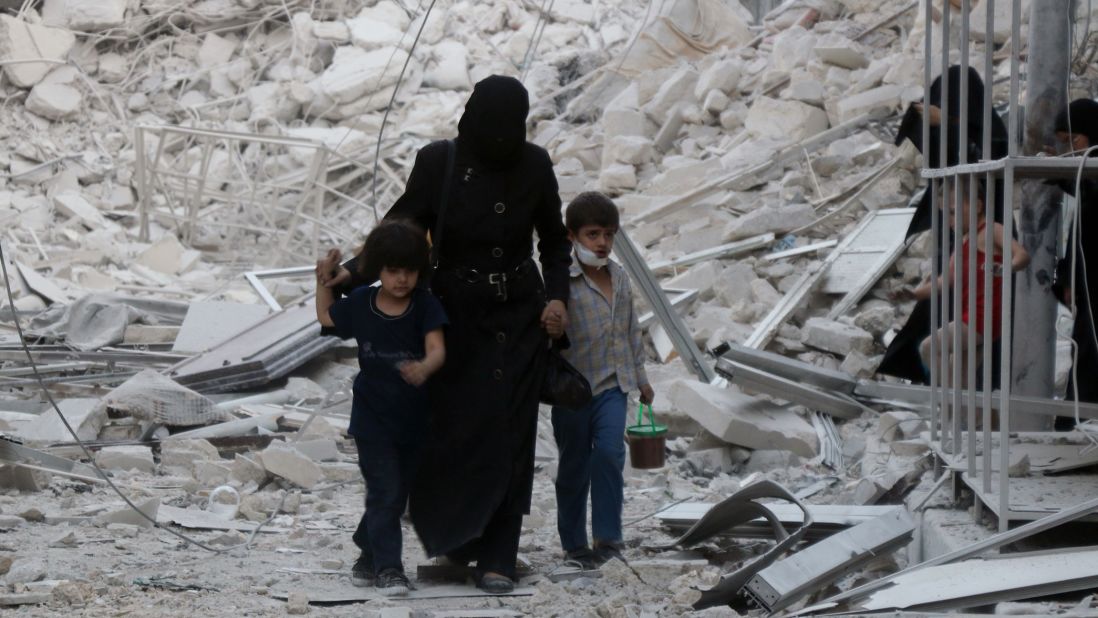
pixel 172 170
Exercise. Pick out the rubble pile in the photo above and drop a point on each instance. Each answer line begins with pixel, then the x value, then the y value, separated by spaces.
pixel 170 170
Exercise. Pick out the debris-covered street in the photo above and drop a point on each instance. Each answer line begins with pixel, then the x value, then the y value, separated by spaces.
pixel 172 170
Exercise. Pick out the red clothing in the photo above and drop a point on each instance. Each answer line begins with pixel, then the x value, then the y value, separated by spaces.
pixel 996 291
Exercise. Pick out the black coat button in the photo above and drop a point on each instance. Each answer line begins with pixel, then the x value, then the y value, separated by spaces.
pixel 500 207
pixel 497 252
pixel 498 374
pixel 501 336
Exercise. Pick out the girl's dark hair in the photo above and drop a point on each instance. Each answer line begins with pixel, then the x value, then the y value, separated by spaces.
pixel 394 244
pixel 591 208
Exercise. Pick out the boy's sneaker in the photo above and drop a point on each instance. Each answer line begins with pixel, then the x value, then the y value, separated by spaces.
pixel 608 552
pixel 362 573
pixel 392 583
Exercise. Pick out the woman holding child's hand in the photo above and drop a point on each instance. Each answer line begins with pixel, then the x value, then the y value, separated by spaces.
pixel 476 474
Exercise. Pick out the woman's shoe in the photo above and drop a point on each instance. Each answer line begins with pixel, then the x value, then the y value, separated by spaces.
pixel 496 583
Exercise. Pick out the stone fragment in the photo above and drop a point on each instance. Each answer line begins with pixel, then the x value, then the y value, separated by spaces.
pixel 763 292
pixel 216 51
pixel 291 465
pixel 859 365
pixel 723 75
pixel 670 128
pixel 73 204
pixel 836 337
pixel 68 539
pixel 126 515
pixel 618 176
pixel 807 91
pixel 842 52
pixel 746 421
pixel 885 98
pixel 164 256
pixel 211 473
pixel 775 219
pixel 672 91
pixel 124 531
pixel 380 25
pixel 7 522
pixel 900 424
pixel 910 448
pixel 83 414
pixel 629 149
pixel 449 67
pixel 732 118
pixel 701 277
pixel 321 449
pixel 334 564
pixel 112 68
pixel 779 119
pixel 17 37
pixel 715 102
pixel 5 563
pixel 876 319
pixel 126 457
pixel 734 285
pixel 334 31
pixel 685 174
pixel 55 101
pixel 84 15
pixel 355 72
pixel 185 453
pixel 711 461
pixel 297 603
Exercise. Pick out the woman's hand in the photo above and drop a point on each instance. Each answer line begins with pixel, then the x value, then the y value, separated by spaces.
pixel 935 113
pixel 554 319
pixel 330 272
pixel 647 395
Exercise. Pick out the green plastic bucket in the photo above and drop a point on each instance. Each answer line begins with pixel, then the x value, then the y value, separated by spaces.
pixel 647 442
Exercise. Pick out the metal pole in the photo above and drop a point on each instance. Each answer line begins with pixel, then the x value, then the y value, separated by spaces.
pixel 947 190
pixel 989 97
pixel 1049 45
pixel 933 186
pixel 969 379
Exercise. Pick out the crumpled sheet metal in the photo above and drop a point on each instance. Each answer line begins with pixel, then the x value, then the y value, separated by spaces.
pixel 99 320
pixel 737 509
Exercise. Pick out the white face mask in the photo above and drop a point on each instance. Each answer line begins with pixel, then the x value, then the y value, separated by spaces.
pixel 588 257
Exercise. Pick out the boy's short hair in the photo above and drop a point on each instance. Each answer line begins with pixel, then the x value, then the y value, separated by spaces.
pixel 591 208
pixel 394 244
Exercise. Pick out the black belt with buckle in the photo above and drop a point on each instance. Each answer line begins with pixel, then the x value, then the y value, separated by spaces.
pixel 500 280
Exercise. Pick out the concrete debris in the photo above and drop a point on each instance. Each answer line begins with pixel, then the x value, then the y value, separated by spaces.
pixel 155 151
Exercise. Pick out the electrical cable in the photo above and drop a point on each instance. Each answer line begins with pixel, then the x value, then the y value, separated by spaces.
pixel 84 448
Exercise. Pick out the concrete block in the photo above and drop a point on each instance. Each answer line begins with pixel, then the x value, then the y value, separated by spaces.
pixel 126 515
pixel 245 469
pixel 763 292
pixel 164 256
pixel 288 463
pixel 807 91
pixel 8 522
pixel 340 472
pixel 618 176
pixel 686 175
pixel 212 473
pixel 83 414
pixel 790 120
pixel 880 98
pixel 216 51
pixel 746 421
pixel 321 449
pixel 836 337
pixel 715 102
pixel 723 75
pixel 665 349
pixel 623 121
pixel 876 318
pixel 859 365
pixel 629 149
pixel 842 52
pixel 380 25
pixel 910 448
pixel 126 457
pixel 710 462
pixel 55 101
pixel 701 277
pixel 84 15
pixel 355 72
pixel 793 48
pixel 669 130
pixel 672 91
pixel 17 37
pixel 732 118
pixel 185 453
pixel 775 219
pixel 900 424
pixel 73 204
pixel 297 602
pixel 734 285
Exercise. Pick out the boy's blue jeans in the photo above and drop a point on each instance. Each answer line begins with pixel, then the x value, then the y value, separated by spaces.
pixel 591 441
pixel 387 469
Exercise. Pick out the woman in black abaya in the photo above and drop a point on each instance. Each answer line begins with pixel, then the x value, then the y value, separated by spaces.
pixel 476 475
pixel 902 359
pixel 1078 128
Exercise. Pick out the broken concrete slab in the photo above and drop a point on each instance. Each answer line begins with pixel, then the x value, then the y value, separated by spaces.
pixel 85 15
pixel 885 98
pixel 745 421
pixel 186 453
pixel 836 337
pixel 791 120
pixel 209 323
pixel 55 101
pixel 292 465
pixel 126 515
pixel 83 414
pixel 126 457
pixel 18 37
pixel 321 449
pixel 770 219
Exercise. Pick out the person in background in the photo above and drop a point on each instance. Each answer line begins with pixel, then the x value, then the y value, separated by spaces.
pixel 476 475
pixel 606 348
pixel 1077 130
pixel 399 331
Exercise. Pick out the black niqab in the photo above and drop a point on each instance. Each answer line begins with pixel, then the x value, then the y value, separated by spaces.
pixel 494 123
pixel 1083 116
